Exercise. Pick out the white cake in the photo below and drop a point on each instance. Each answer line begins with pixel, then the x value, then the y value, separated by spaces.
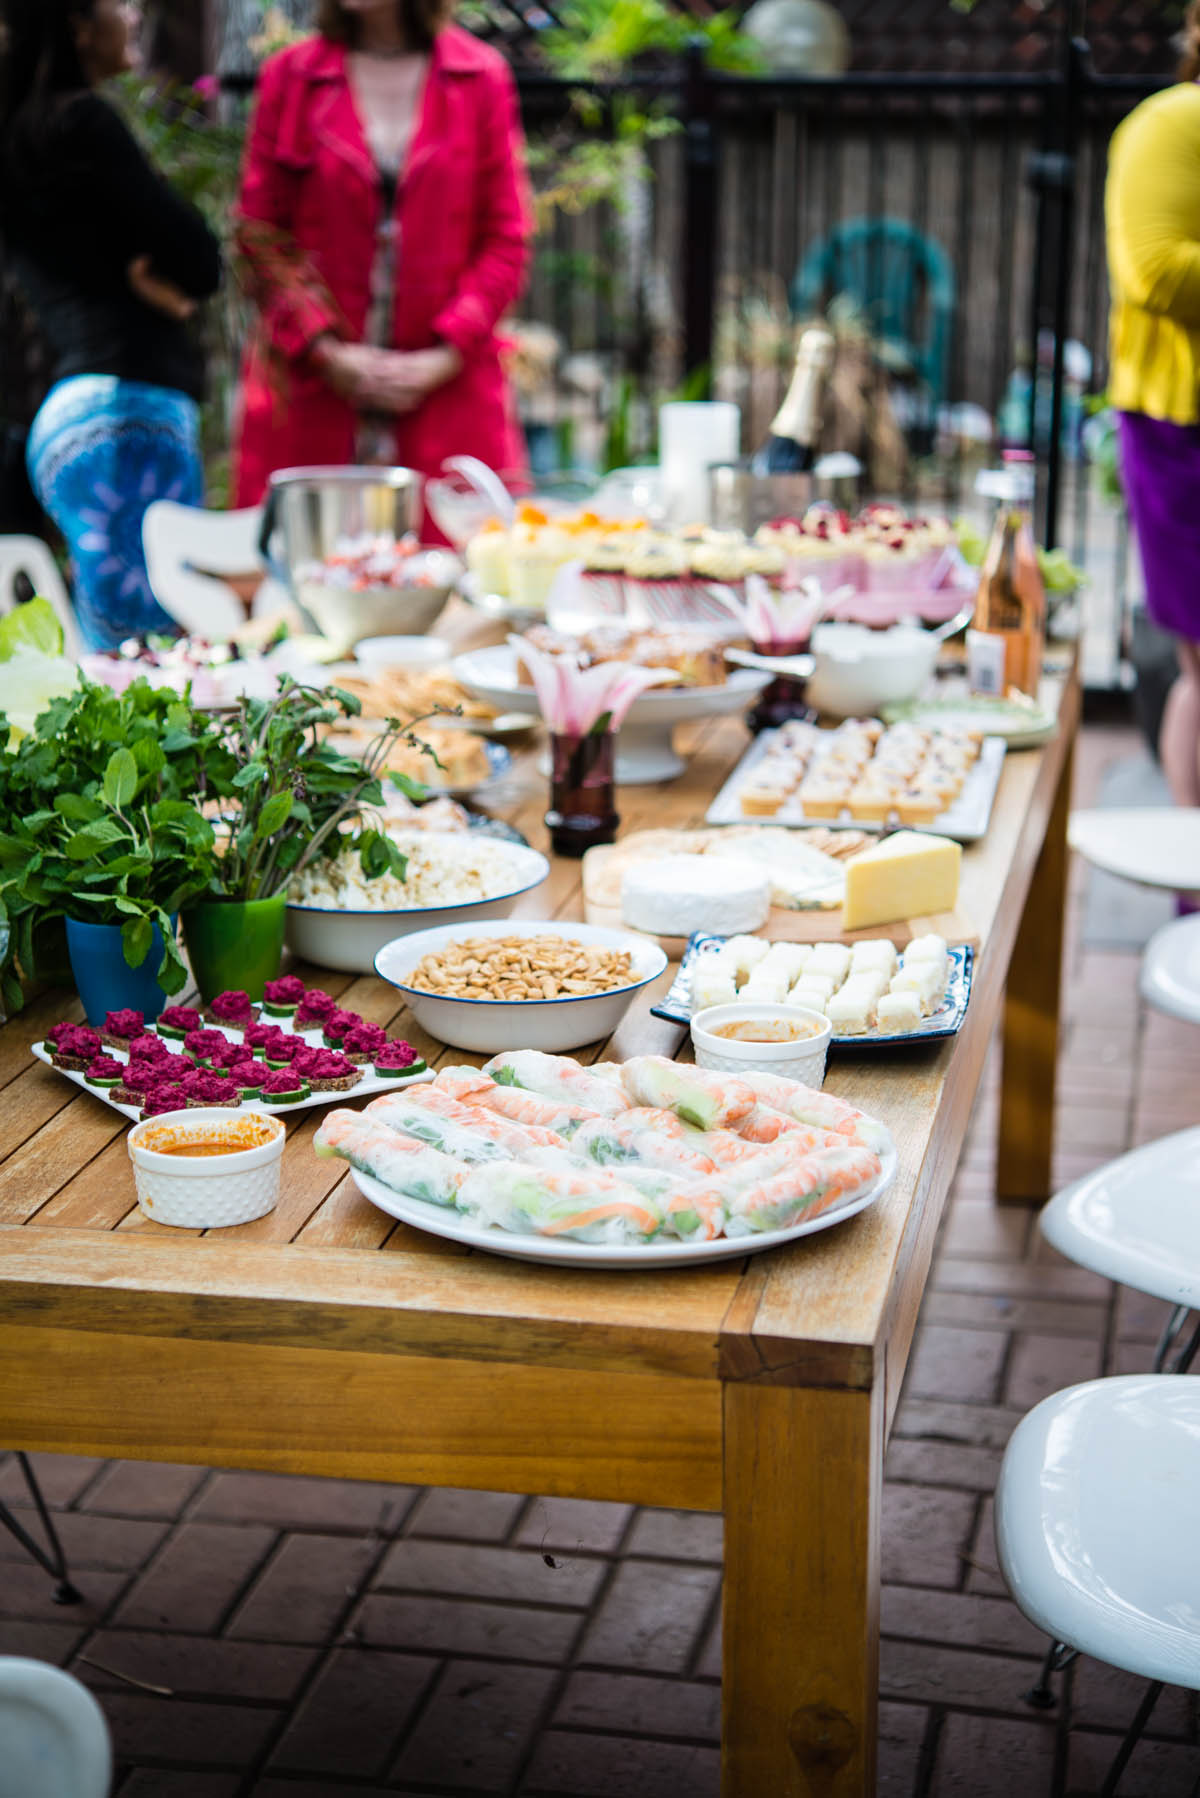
pixel 684 893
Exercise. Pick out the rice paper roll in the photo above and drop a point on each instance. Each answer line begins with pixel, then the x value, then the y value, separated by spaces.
pixel 461 1139
pixel 707 1101
pixel 802 1190
pixel 637 1136
pixel 588 1204
pixel 400 1162
pixel 557 1077
pixel 519 1141
pixel 823 1110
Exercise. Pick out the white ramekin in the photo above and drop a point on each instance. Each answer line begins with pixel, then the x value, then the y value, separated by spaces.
pixel 803 1060
pixel 212 1190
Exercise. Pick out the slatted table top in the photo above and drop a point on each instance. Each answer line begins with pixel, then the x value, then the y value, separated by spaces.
pixel 327 1267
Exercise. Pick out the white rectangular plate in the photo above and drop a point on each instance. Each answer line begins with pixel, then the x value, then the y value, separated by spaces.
pixel 966 820
pixel 367 1087
pixel 947 1020
pixel 441 1220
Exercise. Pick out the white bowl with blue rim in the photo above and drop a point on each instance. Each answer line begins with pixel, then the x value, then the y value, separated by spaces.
pixel 334 937
pixel 485 1026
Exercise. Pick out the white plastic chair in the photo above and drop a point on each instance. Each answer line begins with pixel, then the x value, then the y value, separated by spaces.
pixel 31 557
pixel 1137 1220
pixel 1096 1531
pixel 54 1742
pixel 1158 846
pixel 186 547
pixel 1170 978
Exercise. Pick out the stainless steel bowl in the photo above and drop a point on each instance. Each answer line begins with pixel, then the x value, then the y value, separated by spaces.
pixel 312 513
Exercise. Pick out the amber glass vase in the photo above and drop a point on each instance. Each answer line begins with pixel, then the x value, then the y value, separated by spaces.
pixel 582 792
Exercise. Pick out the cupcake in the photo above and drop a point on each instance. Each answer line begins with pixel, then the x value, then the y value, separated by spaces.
pixel 120 1027
pixel 720 556
pixel 177 1020
pixel 281 997
pixel 487 557
pixel 202 1045
pixel 104 1072
pixel 283 1086
pixel 313 1009
pixel 337 1024
pixel 326 1071
pixel 359 1045
pixel 233 1009
pixel 536 552
pixel 395 1059
pixel 602 579
pixel 656 579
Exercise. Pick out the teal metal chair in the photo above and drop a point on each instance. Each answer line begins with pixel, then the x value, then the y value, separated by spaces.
pixel 901 282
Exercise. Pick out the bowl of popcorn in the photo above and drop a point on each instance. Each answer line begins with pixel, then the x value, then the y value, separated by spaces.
pixel 545 985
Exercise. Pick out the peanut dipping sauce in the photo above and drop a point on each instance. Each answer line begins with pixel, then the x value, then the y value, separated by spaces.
pixel 229 1138
pixel 764 1030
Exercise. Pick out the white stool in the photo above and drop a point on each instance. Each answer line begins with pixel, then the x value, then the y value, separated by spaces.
pixel 54 1741
pixel 1137 1220
pixel 1157 846
pixel 1170 978
pixel 1096 1530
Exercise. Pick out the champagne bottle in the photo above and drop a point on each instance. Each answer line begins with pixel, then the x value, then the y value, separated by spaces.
pixel 795 435
pixel 1007 635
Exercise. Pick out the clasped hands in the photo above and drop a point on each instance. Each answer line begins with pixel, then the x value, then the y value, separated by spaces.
pixel 378 380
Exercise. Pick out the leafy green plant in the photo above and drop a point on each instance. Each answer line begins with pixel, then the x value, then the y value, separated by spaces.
pixel 282 793
pixel 99 825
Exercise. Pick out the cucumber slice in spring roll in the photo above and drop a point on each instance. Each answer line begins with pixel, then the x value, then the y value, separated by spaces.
pixel 401 1162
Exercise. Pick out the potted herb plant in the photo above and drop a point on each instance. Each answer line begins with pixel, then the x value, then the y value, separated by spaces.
pixel 281 793
pixel 100 830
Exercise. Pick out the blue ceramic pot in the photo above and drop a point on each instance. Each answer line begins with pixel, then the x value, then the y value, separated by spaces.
pixel 105 980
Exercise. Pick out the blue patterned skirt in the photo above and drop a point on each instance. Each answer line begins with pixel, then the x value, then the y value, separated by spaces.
pixel 100 450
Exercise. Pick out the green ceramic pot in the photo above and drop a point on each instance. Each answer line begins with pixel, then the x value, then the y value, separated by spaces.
pixel 235 944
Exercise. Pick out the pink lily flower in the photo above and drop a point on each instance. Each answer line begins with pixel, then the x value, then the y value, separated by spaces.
pixel 576 701
pixel 777 623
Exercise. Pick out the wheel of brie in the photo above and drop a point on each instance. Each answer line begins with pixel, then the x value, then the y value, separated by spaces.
pixel 680 894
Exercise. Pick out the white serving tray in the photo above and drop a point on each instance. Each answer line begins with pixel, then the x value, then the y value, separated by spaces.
pixel 367 1087
pixel 966 820
pixel 560 1251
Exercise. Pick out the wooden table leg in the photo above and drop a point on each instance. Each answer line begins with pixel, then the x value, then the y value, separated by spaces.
pixel 803 1486
pixel 1025 1145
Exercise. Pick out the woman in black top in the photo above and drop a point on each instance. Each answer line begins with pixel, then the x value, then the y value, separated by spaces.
pixel 113 264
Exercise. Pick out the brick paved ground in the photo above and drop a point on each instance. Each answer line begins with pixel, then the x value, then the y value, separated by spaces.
pixel 293 1638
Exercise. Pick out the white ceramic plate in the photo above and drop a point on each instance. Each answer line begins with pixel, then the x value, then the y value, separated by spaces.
pixel 966 820
pixel 492 674
pixel 486 1026
pixel 366 1088
pixel 562 1251
pixel 1021 726
pixel 351 940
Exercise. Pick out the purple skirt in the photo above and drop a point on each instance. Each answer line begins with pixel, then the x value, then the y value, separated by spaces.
pixel 1160 471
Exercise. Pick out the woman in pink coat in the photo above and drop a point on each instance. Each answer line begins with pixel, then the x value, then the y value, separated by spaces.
pixel 383 227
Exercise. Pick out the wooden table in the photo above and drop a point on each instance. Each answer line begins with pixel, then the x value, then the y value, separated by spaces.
pixel 326 1339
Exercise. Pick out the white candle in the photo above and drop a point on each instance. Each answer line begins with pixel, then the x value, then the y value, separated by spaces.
pixel 692 436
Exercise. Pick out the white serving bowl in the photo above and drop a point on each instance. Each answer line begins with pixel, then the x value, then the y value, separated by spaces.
pixel 373 654
pixel 212 1190
pixel 488 1025
pixel 350 941
pixel 803 1060
pixel 856 670
pixel 345 615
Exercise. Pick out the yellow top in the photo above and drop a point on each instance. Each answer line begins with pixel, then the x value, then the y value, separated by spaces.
pixel 1152 211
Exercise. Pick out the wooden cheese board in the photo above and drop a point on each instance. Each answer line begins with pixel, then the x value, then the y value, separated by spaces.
pixel 603 867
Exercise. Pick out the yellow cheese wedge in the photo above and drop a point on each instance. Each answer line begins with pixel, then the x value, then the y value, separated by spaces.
pixel 902 877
